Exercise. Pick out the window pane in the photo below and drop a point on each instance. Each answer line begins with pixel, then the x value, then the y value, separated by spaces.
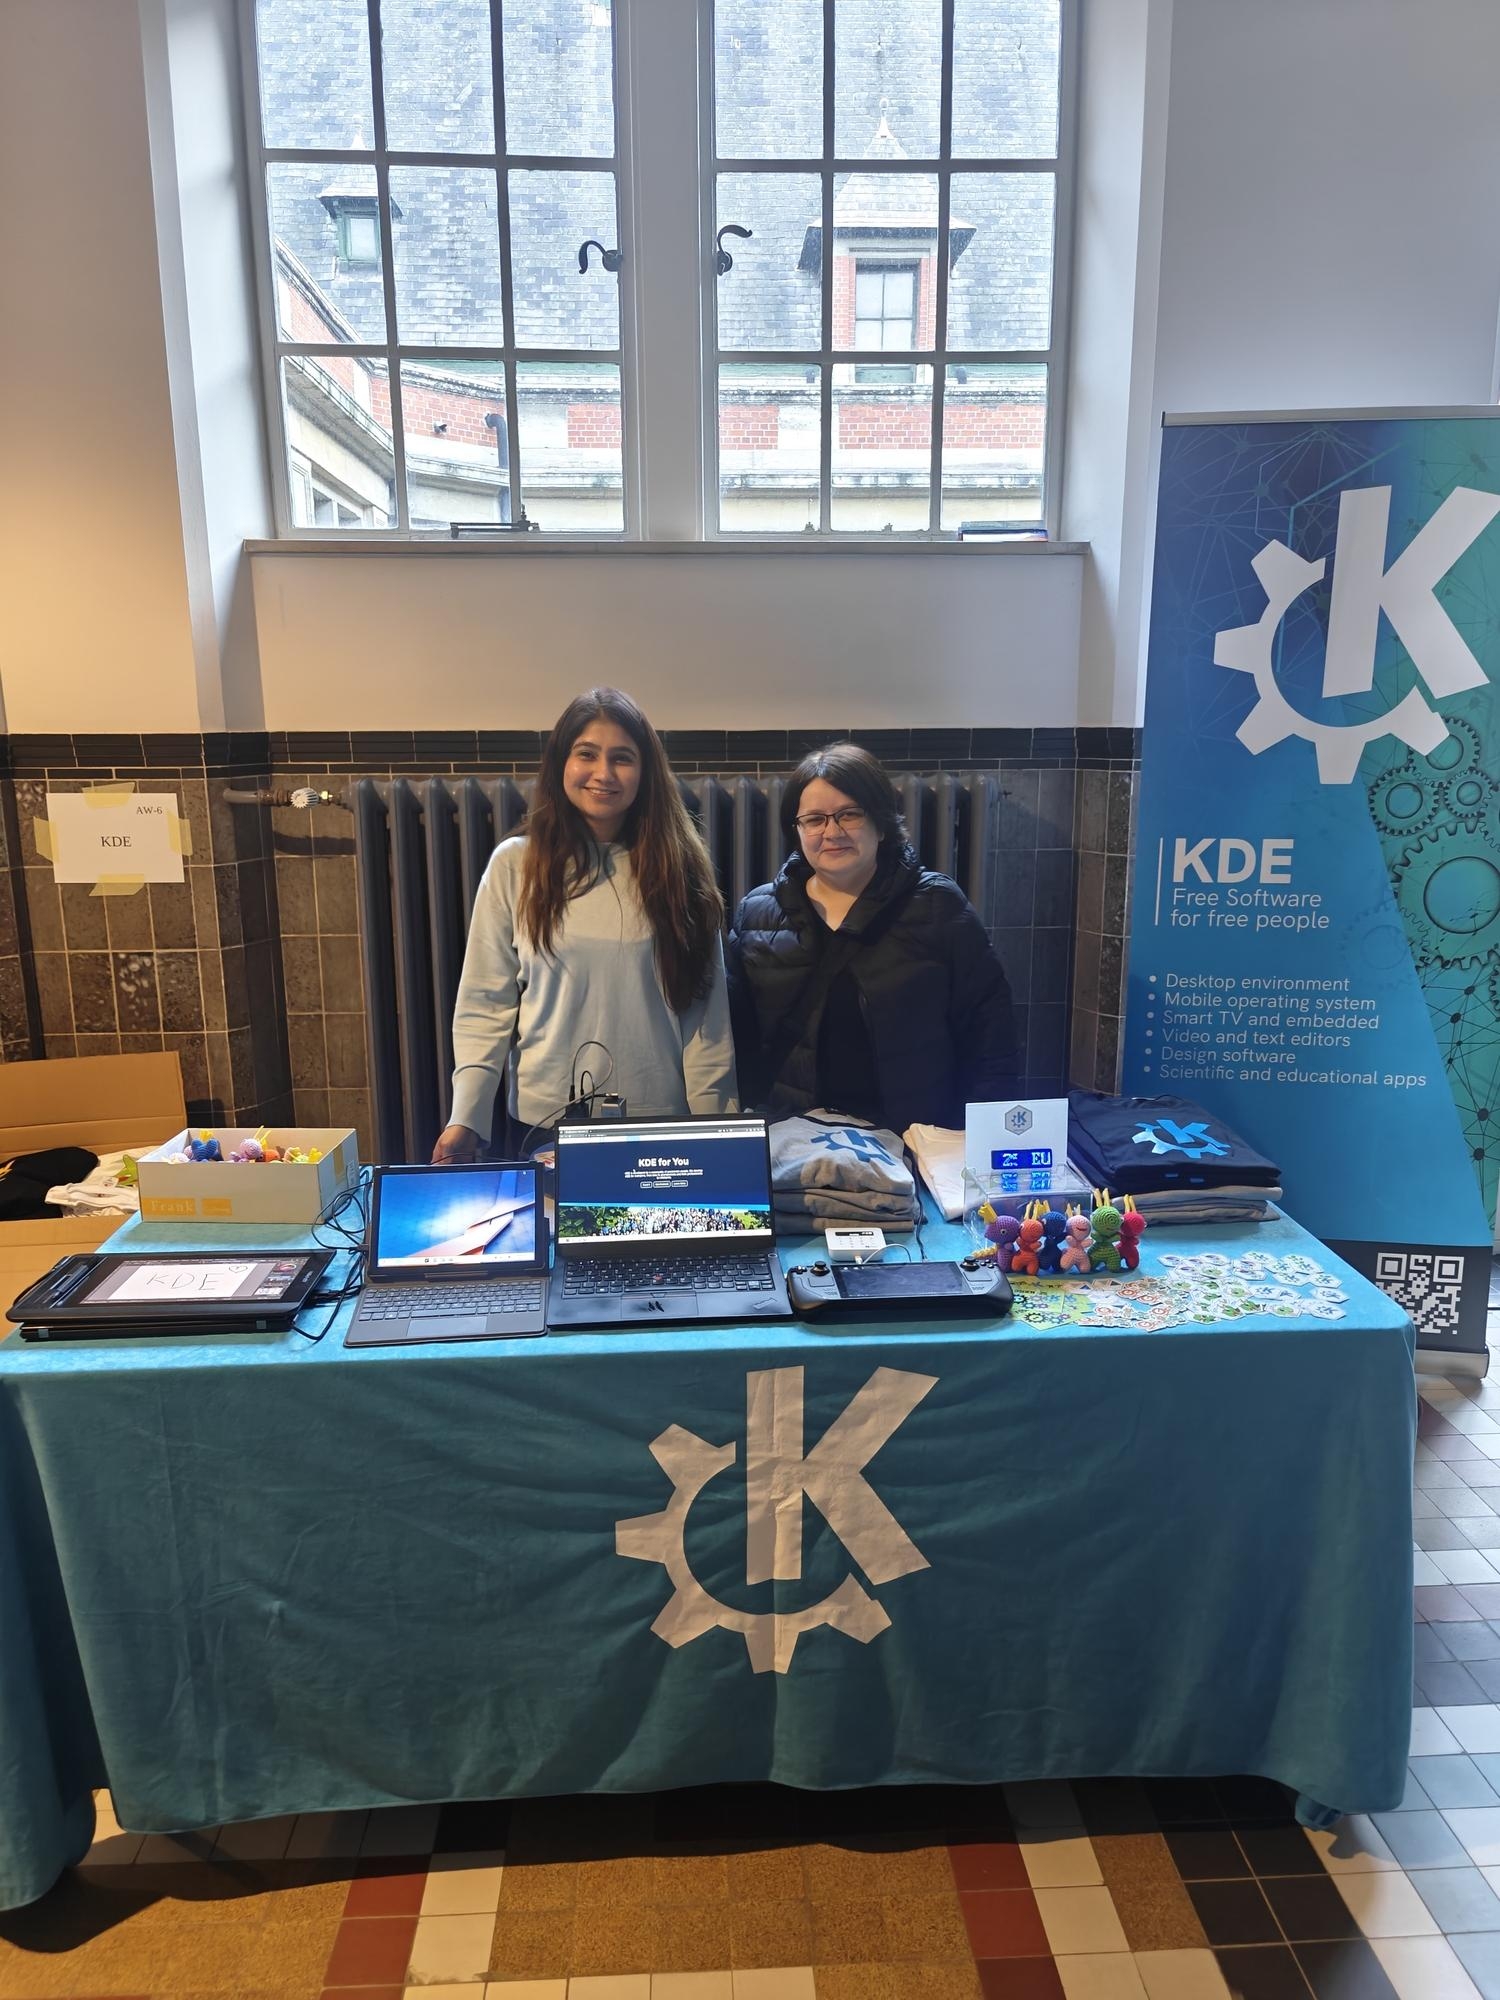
pixel 453 428
pixel 559 77
pixel 770 427
pixel 994 442
pixel 768 79
pixel 557 305
pixel 338 433
pixel 885 223
pixel 1005 78
pixel 439 96
pixel 773 297
pixel 1000 287
pixel 882 446
pixel 571 453
pixel 447 256
pixel 315 73
pixel 887 78
pixel 321 295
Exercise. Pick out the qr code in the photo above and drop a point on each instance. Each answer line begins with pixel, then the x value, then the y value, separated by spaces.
pixel 1428 1284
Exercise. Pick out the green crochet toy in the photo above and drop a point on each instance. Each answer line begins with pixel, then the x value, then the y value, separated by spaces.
pixel 1104 1251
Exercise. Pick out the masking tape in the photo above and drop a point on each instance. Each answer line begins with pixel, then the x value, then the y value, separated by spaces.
pixel 180 833
pixel 115 793
pixel 41 830
pixel 118 885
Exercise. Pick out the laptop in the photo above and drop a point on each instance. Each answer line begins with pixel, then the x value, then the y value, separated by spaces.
pixel 665 1221
pixel 454 1253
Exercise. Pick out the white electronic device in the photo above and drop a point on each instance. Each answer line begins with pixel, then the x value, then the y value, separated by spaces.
pixel 853 1246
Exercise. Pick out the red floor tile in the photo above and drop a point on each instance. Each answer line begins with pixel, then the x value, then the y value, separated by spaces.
pixel 1019 1979
pixel 371 1949
pixel 988 1864
pixel 384 1888
pixel 1004 1923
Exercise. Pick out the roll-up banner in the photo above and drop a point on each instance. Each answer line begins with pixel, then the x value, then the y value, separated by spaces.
pixel 1315 949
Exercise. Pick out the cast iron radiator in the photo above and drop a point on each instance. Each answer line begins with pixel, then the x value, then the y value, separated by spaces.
pixel 421 846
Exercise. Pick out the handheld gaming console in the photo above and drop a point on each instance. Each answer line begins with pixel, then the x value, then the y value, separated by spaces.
pixel 969 1290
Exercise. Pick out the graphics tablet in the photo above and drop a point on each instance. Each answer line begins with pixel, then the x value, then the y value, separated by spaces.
pixel 131 1293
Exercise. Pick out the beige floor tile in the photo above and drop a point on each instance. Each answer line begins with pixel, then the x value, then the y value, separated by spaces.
pixel 1100 1975
pixel 467 1990
pixel 615 1986
pixel 692 1986
pixel 112 1848
pixel 1065 1862
pixel 1424 1969
pixel 929 1929
pixel 526 1989
pixel 531 1944
pixel 461 1885
pixel 1080 1920
pixel 689 1878
pixel 782 1982
pixel 766 1935
pixel 1354 1847
pixel 610 1938
pixel 1387 1905
pixel 690 1937
pixel 768 1875
pixel 455 1950
pixel 1181 1975
pixel 327 1833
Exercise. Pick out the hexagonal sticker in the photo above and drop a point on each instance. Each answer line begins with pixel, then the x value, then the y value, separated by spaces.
pixel 1018 1119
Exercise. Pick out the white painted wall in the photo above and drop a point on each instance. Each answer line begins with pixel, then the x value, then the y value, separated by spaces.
pixel 1331 235
pixel 94 625
pixel 742 640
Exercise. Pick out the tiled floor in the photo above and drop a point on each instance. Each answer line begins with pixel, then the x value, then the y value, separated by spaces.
pixel 1099 1890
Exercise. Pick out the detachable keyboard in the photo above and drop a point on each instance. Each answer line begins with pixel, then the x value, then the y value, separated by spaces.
pixel 738 1272
pixel 514 1295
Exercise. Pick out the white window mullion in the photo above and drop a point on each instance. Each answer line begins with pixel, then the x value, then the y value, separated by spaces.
pixel 662 193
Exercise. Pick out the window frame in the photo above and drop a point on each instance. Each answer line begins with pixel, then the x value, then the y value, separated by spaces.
pixel 829 166
pixel 506 357
pixel 668 291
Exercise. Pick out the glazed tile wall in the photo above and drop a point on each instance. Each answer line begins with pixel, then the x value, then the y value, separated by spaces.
pixel 1104 840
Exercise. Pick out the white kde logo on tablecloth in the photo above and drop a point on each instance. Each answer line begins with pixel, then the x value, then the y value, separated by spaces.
pixel 777 1474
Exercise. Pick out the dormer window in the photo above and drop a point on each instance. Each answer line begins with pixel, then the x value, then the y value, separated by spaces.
pixel 354 209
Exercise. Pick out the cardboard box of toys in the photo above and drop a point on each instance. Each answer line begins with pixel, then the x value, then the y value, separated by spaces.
pixel 260 1190
pixel 109 1104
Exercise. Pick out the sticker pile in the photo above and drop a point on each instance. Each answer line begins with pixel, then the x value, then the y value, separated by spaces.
pixel 1201 1289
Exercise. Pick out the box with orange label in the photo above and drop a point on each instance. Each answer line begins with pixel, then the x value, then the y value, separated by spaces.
pixel 219 1191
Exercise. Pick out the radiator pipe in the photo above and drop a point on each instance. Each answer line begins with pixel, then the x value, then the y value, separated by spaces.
pixel 304 797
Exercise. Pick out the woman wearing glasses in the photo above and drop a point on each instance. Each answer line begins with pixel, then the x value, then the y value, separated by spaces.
pixel 861 981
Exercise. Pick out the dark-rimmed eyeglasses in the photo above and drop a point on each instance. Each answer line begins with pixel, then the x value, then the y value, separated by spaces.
pixel 848 819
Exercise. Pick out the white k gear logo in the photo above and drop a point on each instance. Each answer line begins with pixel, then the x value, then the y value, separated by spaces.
pixel 1362 589
pixel 777 1474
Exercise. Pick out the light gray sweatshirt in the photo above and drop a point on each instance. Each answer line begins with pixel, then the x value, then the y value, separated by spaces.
pixel 599 982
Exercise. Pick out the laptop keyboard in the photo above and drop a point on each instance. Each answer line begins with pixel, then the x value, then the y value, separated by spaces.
pixel 514 1295
pixel 709 1273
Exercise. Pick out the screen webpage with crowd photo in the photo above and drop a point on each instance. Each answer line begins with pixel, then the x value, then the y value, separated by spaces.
pixel 618 1184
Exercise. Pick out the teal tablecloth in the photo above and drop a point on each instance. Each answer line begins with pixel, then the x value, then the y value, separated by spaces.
pixel 246 1577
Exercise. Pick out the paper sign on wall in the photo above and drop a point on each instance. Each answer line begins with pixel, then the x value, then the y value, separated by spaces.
pixel 1027 1136
pixel 113 837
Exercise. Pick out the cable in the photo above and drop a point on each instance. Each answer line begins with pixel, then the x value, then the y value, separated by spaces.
pixel 574 1098
pixel 348 1235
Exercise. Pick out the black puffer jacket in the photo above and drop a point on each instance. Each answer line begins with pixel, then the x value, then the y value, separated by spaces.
pixel 935 1001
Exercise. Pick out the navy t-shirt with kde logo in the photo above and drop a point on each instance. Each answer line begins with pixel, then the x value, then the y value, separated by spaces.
pixel 1135 1145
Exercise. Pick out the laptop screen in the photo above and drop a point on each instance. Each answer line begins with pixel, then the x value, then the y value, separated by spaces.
pixel 673 1181
pixel 478 1218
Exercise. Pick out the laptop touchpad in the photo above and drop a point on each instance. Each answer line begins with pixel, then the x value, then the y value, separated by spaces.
pixel 653 1305
pixel 454 1326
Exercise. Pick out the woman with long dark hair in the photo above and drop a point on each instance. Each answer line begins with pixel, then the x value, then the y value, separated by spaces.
pixel 861 981
pixel 596 929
